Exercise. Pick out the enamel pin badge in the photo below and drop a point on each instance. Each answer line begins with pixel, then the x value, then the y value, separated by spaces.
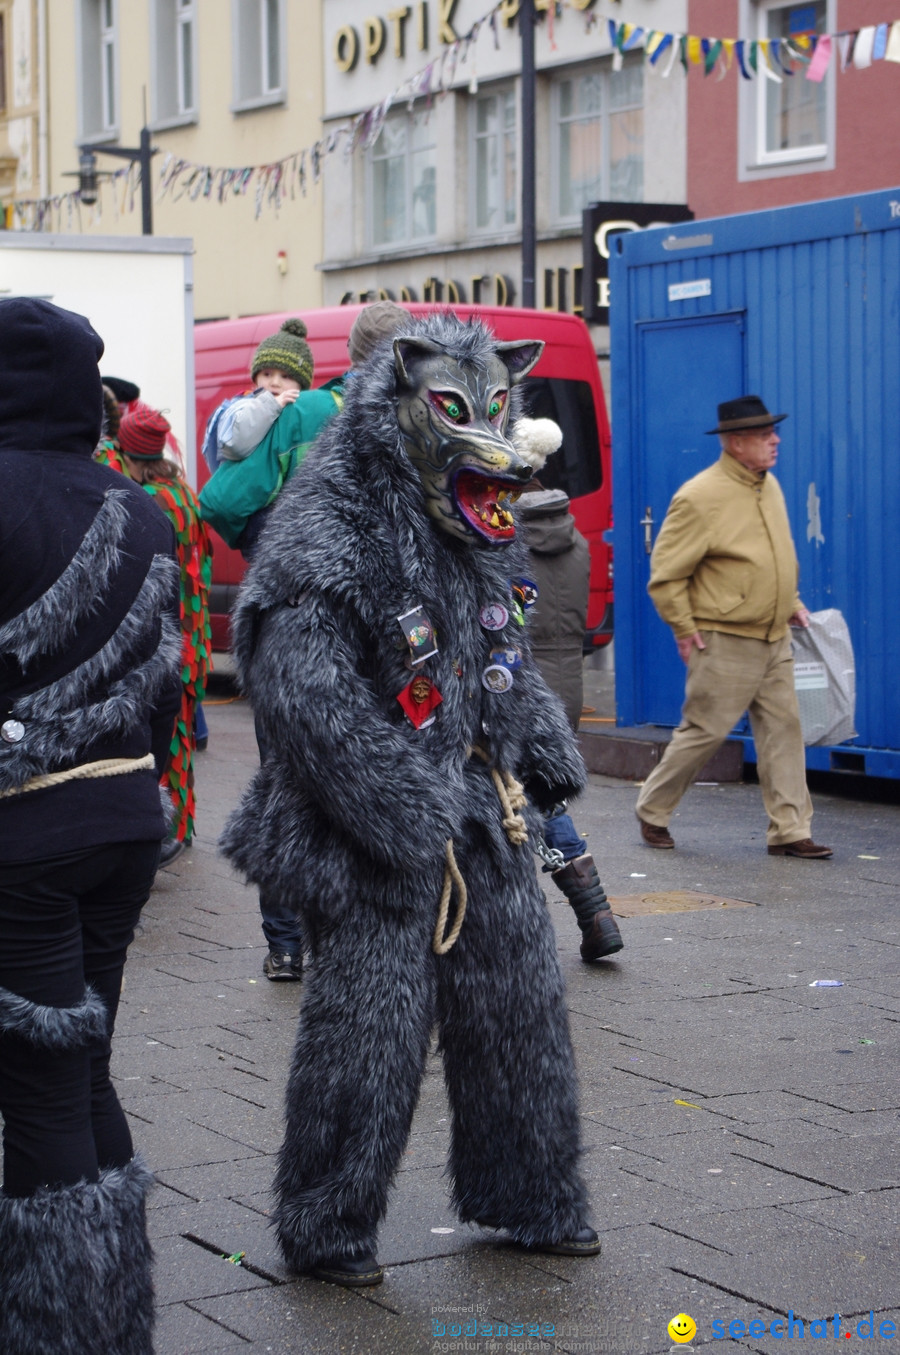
pixel 419 634
pixel 419 699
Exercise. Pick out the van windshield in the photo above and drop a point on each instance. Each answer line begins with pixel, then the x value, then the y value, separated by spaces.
pixel 576 467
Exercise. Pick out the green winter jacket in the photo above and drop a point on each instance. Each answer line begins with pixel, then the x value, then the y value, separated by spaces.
pixel 239 489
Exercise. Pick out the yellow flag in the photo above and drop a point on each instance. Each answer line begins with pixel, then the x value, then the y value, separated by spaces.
pixel 694 50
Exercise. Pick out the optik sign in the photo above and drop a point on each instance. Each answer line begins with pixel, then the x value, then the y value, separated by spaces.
pixel 601 221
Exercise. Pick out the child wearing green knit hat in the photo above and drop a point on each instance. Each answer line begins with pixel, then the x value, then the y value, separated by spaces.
pixel 282 367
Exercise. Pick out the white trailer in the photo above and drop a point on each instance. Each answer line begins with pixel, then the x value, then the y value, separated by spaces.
pixel 137 292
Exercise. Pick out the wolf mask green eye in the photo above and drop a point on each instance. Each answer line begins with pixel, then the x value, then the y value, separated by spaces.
pixel 453 416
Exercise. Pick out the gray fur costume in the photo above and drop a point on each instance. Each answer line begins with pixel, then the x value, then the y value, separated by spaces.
pixel 351 816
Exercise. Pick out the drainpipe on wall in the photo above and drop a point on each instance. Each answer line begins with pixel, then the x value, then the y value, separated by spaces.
pixel 43 86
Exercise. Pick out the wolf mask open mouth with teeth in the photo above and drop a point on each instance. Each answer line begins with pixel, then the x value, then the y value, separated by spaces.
pixel 453 417
pixel 385 754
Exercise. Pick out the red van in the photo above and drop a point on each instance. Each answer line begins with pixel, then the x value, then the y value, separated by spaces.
pixel 565 386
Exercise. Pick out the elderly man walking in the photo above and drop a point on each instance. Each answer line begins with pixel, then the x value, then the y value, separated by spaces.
pixel 724 577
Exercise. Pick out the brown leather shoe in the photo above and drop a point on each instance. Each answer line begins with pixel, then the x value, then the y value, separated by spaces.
pixel 806 848
pixel 656 837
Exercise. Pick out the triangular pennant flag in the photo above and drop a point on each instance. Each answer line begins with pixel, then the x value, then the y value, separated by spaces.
pixel 879 46
pixel 674 52
pixel 845 48
pixel 818 66
pixel 694 51
pixel 665 40
pixel 713 50
pixel 781 52
pixel 892 51
pixel 862 48
pixel 768 68
pixel 753 58
pixel 739 53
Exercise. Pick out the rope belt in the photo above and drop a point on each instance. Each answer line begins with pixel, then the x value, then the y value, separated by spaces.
pixel 511 794
pixel 112 766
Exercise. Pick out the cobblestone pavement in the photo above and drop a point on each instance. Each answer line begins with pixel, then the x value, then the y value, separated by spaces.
pixel 740 1126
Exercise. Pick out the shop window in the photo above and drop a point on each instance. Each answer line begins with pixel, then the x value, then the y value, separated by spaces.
pixel 403 181
pixel 174 60
pixel 98 68
pixel 258 44
pixel 494 195
pixel 598 132
pixel 787 121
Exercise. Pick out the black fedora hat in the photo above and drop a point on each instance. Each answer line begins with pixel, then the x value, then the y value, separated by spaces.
pixel 743 414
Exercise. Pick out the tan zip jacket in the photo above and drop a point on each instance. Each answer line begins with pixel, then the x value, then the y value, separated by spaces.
pixel 724 558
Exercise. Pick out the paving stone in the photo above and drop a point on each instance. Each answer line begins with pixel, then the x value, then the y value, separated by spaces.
pixel 720 1015
pixel 869 1162
pixel 184 1271
pixel 873 1216
pixel 179 1327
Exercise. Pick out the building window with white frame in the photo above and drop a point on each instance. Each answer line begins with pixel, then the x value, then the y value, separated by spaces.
pixel 494 194
pixel 174 61
pixel 791 111
pixel 786 122
pixel 98 68
pixel 598 135
pixel 258 43
pixel 402 170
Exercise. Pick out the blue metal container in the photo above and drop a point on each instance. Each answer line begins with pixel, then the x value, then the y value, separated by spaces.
pixel 800 305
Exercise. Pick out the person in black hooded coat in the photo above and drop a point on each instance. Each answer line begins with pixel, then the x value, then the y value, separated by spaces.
pixel 372 634
pixel 89 689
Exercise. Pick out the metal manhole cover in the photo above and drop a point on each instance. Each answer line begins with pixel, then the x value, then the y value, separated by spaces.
pixel 671 901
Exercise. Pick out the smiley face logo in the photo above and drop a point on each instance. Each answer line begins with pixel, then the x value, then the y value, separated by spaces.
pixel 682 1328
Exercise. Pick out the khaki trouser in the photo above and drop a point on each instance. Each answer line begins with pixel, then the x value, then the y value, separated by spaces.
pixel 730 676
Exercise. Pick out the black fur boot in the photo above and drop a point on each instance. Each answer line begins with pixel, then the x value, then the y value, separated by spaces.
pixel 75 1276
pixel 580 883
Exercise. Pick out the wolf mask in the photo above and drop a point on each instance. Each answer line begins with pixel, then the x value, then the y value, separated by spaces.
pixel 453 417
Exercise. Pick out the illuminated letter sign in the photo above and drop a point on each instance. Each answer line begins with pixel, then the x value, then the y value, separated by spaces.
pixel 600 222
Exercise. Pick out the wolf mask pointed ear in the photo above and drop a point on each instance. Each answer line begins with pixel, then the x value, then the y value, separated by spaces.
pixel 407 350
pixel 519 357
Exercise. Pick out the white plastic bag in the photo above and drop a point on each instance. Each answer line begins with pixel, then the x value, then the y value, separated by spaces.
pixel 825 678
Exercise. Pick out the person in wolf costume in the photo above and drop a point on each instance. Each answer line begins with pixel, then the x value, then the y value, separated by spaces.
pixel 378 636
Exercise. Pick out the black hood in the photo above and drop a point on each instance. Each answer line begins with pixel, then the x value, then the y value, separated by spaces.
pixel 51 397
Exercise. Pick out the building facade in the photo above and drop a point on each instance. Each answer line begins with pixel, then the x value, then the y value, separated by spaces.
pixel 224 86
pixel 763 142
pixel 429 206
pixel 23 99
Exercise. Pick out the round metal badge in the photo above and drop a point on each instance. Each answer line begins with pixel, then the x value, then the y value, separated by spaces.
pixel 507 657
pixel 496 678
pixel 12 731
pixel 493 616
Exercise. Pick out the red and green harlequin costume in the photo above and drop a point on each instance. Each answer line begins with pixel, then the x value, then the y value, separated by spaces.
pixel 179 503
pixel 110 454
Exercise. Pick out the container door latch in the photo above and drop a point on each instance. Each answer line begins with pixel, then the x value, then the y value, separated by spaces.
pixel 647 524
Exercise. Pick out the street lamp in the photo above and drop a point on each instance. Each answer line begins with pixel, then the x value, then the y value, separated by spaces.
pixel 88 174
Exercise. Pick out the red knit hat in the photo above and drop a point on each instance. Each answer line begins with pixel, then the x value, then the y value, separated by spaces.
pixel 142 433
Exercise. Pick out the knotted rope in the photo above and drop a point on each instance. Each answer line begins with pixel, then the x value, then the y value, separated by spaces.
pixel 452 876
pixel 512 798
pixel 112 766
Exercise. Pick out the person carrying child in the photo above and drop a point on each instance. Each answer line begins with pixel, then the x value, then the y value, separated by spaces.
pixel 248 476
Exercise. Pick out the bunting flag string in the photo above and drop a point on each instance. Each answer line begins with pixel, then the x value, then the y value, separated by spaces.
pixel 272 184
